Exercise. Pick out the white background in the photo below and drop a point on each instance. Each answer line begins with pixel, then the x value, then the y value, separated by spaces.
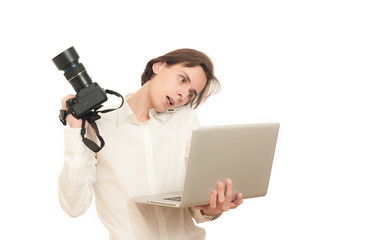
pixel 304 64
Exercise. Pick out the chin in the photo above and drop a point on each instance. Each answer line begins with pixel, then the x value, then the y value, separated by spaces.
pixel 160 109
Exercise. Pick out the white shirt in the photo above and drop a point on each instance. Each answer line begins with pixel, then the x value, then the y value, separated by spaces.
pixel 137 159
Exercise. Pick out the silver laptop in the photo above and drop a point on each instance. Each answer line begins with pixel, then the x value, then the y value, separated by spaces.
pixel 243 153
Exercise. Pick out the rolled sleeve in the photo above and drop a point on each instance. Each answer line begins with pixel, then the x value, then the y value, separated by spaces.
pixel 78 175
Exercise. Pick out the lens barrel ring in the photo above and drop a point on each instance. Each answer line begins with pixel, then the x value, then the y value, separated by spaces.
pixel 74 71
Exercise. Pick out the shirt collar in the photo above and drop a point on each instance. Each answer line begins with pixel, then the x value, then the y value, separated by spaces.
pixel 127 114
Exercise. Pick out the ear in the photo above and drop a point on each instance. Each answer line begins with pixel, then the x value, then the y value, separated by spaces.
pixel 157 66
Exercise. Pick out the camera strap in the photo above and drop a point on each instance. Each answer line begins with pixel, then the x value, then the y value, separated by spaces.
pixel 91 118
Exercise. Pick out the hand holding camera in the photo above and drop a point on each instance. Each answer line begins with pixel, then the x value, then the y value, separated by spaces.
pixel 70 119
pixel 83 108
pixel 90 96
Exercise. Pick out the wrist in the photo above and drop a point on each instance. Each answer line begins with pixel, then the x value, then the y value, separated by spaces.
pixel 207 216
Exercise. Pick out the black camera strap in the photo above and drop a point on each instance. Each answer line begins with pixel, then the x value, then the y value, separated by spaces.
pixel 91 118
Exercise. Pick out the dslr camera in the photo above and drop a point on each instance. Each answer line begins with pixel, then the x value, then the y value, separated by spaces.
pixel 90 96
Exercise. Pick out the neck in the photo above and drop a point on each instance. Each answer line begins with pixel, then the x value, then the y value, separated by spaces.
pixel 140 103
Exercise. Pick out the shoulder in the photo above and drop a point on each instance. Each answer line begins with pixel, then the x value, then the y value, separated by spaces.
pixel 181 112
pixel 186 110
pixel 111 116
pixel 185 116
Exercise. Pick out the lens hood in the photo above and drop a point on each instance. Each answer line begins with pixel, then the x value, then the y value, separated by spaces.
pixel 66 59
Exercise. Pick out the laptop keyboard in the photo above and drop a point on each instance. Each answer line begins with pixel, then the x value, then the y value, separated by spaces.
pixel 177 199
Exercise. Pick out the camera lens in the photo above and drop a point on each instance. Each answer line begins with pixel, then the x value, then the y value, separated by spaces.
pixel 74 71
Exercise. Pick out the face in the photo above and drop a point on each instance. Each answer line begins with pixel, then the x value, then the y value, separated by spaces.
pixel 174 86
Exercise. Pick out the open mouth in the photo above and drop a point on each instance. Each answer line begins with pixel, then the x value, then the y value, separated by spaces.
pixel 170 101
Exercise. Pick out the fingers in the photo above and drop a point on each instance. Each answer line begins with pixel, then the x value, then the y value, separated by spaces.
pixel 224 195
pixel 225 201
pixel 212 203
pixel 220 192
pixel 228 195
pixel 65 99
pixel 221 199
pixel 71 120
pixel 213 199
pixel 237 202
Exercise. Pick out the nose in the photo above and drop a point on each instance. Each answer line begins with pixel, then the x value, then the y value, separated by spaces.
pixel 182 99
pixel 183 93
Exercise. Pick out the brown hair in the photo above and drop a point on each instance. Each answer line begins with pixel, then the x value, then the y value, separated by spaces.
pixel 190 58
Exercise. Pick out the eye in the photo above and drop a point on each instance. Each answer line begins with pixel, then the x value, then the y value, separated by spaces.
pixel 190 95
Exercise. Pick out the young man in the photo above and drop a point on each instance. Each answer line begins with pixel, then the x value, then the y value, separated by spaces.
pixel 145 153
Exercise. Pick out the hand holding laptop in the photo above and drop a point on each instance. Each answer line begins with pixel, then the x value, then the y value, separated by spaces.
pixel 221 200
pixel 243 153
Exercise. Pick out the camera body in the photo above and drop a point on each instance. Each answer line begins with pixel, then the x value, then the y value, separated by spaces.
pixel 90 96
pixel 88 99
